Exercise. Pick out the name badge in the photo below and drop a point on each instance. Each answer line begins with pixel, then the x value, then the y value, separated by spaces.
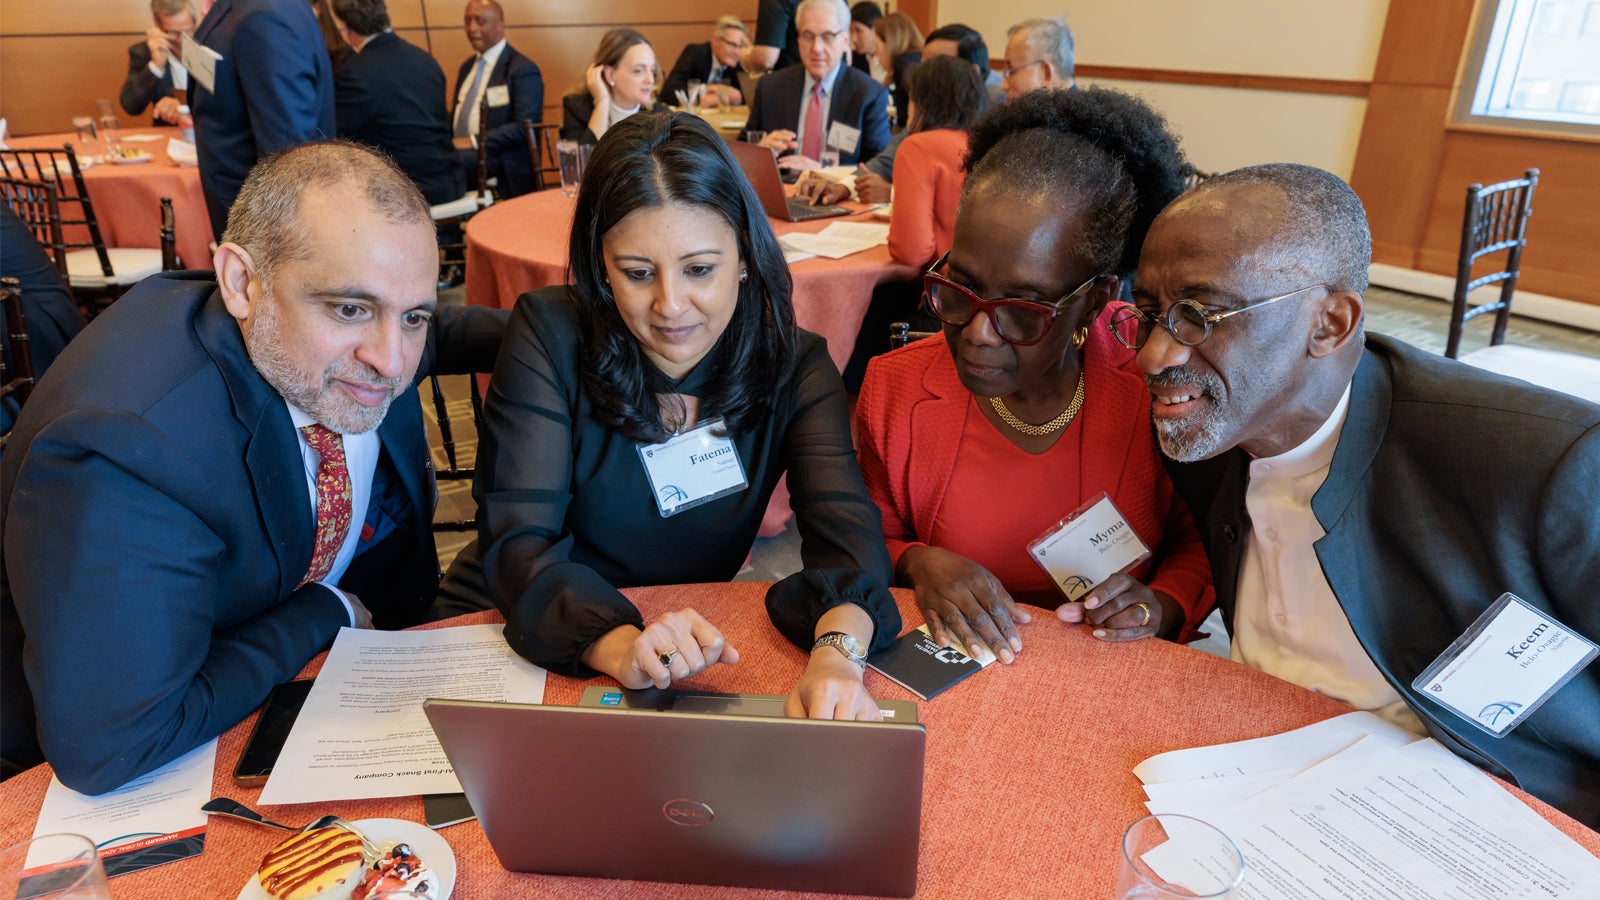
pixel 499 95
pixel 692 468
pixel 1505 666
pixel 201 61
pixel 844 138
pixel 1087 547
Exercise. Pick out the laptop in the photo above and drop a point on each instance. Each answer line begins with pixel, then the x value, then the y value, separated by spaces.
pixel 636 789
pixel 761 169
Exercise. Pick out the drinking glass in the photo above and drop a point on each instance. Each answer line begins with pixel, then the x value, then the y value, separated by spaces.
pixel 573 158
pixel 106 117
pixel 724 99
pixel 696 88
pixel 829 158
pixel 84 126
pixel 755 137
pixel 53 867
pixel 1166 856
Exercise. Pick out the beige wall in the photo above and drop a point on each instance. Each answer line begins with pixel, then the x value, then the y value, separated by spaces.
pixel 1223 127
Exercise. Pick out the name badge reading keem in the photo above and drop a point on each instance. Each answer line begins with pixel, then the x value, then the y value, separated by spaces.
pixel 692 468
pixel 1505 666
pixel 1087 547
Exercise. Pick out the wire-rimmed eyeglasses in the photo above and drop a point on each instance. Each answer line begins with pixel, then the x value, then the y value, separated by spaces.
pixel 1186 320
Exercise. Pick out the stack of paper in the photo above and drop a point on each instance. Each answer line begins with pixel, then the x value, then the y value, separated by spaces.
pixel 837 240
pixel 1357 807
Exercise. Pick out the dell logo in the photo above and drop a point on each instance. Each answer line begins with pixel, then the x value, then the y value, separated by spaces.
pixel 689 813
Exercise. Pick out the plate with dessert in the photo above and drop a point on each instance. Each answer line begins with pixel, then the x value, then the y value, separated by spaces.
pixel 128 156
pixel 329 864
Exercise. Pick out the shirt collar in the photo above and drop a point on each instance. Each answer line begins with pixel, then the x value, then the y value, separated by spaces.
pixel 1315 452
pixel 828 80
pixel 492 55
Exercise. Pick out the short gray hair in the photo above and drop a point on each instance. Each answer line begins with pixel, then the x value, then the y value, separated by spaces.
pixel 172 8
pixel 726 22
pixel 1324 230
pixel 265 218
pixel 837 7
pixel 1049 40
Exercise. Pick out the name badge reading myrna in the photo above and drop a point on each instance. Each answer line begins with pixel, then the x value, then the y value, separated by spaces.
pixel 692 468
pixel 1512 659
pixel 1087 547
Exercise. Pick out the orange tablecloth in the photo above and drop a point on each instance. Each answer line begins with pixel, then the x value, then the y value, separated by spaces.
pixel 127 198
pixel 1028 782
pixel 521 244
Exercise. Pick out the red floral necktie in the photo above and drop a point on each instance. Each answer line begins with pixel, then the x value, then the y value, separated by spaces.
pixel 333 499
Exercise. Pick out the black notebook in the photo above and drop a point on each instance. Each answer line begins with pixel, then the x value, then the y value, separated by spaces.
pixel 917 663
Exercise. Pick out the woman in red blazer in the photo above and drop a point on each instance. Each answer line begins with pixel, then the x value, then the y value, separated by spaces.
pixel 976 444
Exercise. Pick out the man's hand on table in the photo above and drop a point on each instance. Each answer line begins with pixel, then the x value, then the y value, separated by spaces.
pixel 780 141
pixel 688 642
pixel 1122 609
pixel 358 610
pixel 167 109
pixel 962 600
pixel 821 190
pixel 871 188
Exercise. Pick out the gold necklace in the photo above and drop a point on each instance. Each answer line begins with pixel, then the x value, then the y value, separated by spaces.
pixel 1050 427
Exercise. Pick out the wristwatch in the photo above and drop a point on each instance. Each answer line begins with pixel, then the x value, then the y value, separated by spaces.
pixel 846 644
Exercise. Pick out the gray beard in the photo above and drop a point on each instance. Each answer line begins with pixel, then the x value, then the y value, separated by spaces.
pixel 1200 436
pixel 264 341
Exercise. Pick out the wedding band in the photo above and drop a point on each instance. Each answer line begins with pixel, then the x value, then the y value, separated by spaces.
pixel 1146 620
pixel 667 658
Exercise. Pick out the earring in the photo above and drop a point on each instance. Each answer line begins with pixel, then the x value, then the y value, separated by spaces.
pixel 744 275
pixel 1080 337
pixel 611 84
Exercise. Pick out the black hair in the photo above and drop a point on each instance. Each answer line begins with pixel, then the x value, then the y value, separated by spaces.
pixel 1104 152
pixel 651 160
pixel 865 13
pixel 947 93
pixel 969 44
pixel 364 17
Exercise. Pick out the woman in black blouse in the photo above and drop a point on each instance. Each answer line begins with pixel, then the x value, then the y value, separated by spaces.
pixel 678 323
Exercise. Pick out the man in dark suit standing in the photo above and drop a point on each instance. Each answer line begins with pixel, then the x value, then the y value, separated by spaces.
pixel 155 73
pixel 273 88
pixel 821 104
pixel 390 94
pixel 714 62
pixel 1362 502
pixel 224 470
pixel 511 87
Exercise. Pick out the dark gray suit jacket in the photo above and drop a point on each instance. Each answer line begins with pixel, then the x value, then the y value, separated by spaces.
pixel 858 101
pixel 142 87
pixel 1449 487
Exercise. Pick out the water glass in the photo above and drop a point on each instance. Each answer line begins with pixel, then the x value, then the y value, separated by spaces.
pixel 1167 856
pixel 696 88
pixel 829 158
pixel 724 99
pixel 755 137
pixel 53 867
pixel 84 126
pixel 573 158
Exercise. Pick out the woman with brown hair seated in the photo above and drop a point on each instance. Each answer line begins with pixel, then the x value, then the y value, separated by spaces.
pixel 621 81
pixel 977 442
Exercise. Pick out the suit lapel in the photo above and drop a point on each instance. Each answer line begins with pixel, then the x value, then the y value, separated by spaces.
pixel 1359 439
pixel 272 455
pixel 399 433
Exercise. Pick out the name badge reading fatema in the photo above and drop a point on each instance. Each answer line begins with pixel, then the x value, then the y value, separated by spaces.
pixel 692 468
pixel 1087 547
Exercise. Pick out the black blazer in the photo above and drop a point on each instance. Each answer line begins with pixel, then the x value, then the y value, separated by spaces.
pixel 391 96
pixel 903 64
pixel 1449 487
pixel 157 524
pixel 575 112
pixel 507 142
pixel 858 101
pixel 694 64
pixel 142 88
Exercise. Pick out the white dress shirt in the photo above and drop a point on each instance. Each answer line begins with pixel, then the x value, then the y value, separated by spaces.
pixel 180 75
pixel 361 462
pixel 490 58
pixel 1287 621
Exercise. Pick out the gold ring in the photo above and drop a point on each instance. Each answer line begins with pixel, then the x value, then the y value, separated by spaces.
pixel 1146 620
pixel 667 658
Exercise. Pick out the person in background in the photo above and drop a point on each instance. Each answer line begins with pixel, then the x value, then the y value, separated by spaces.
pixel 677 331
pixel 899 49
pixel 52 315
pixel 864 42
pixel 620 82
pixel 226 468
pixel 712 63
pixel 390 94
pixel 276 93
pixel 1039 54
pixel 776 45
pixel 1364 502
pixel 978 441
pixel 956 39
pixel 821 104
pixel 333 38
pixel 513 89
pixel 155 74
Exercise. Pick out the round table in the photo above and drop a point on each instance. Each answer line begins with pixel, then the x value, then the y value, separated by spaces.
pixel 520 244
pixel 1028 781
pixel 127 198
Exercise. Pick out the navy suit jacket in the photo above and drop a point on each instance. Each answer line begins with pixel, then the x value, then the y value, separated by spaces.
pixel 1449 487
pixel 694 64
pixel 858 101
pixel 142 87
pixel 274 89
pixel 508 157
pixel 156 522
pixel 391 96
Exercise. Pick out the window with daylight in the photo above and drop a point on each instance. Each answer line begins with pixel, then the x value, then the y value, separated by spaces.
pixel 1534 65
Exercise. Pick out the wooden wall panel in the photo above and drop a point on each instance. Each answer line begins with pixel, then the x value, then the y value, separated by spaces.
pixel 1397 165
pixel 1422 41
pixel 76 17
pixel 564 13
pixel 48 80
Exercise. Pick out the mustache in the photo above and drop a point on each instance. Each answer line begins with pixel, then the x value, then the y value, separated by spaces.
pixel 361 373
pixel 1171 378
